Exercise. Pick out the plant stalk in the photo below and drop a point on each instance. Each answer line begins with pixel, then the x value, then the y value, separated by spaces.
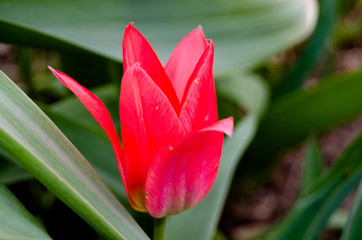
pixel 159 228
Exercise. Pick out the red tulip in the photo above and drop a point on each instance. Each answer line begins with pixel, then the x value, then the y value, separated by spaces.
pixel 171 138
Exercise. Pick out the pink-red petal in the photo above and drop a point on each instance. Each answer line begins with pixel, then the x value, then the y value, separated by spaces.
pixel 148 123
pixel 99 111
pixel 224 125
pixel 199 108
pixel 136 49
pixel 184 58
pixel 180 177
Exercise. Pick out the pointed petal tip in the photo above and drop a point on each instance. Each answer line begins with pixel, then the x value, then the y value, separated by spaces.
pixel 229 126
pixel 60 75
pixel 129 25
pixel 53 70
pixel 225 126
pixel 200 30
pixel 211 43
pixel 128 29
pixel 136 67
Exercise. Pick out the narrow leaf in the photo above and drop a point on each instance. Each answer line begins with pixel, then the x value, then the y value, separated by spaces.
pixel 314 49
pixel 11 173
pixel 313 165
pixel 352 230
pixel 15 221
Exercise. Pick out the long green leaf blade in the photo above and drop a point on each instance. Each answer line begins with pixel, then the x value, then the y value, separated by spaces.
pixel 245 32
pixel 313 165
pixel 352 230
pixel 36 143
pixel 11 173
pixel 15 221
pixel 316 44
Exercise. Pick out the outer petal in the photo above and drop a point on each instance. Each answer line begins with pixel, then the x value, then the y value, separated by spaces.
pixel 148 123
pixel 184 59
pixel 199 108
pixel 99 112
pixel 180 178
pixel 137 49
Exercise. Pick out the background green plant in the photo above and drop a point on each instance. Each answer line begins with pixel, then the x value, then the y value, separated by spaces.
pixel 272 108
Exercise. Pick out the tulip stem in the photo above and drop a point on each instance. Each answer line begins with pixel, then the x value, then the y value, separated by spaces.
pixel 159 228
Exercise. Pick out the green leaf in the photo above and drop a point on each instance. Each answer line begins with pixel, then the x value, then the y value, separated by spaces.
pixel 245 32
pixel 330 205
pixel 312 210
pixel 352 230
pixel 15 221
pixel 249 91
pixel 11 173
pixel 28 135
pixel 291 118
pixel 315 47
pixel 96 148
pixel 338 219
pixel 313 164
pixel 201 221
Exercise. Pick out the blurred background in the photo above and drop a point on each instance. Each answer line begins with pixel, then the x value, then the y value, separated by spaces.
pixel 295 66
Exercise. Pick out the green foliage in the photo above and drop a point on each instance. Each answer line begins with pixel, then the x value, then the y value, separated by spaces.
pixel 313 165
pixel 352 230
pixel 245 32
pixel 314 49
pixel 293 117
pixel 11 173
pixel 15 221
pixel 323 195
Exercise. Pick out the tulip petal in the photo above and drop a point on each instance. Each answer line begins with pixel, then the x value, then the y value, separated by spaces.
pixel 148 123
pixel 199 108
pixel 180 178
pixel 99 111
pixel 184 58
pixel 136 48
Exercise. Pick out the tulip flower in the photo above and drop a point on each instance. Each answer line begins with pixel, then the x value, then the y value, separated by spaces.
pixel 171 137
